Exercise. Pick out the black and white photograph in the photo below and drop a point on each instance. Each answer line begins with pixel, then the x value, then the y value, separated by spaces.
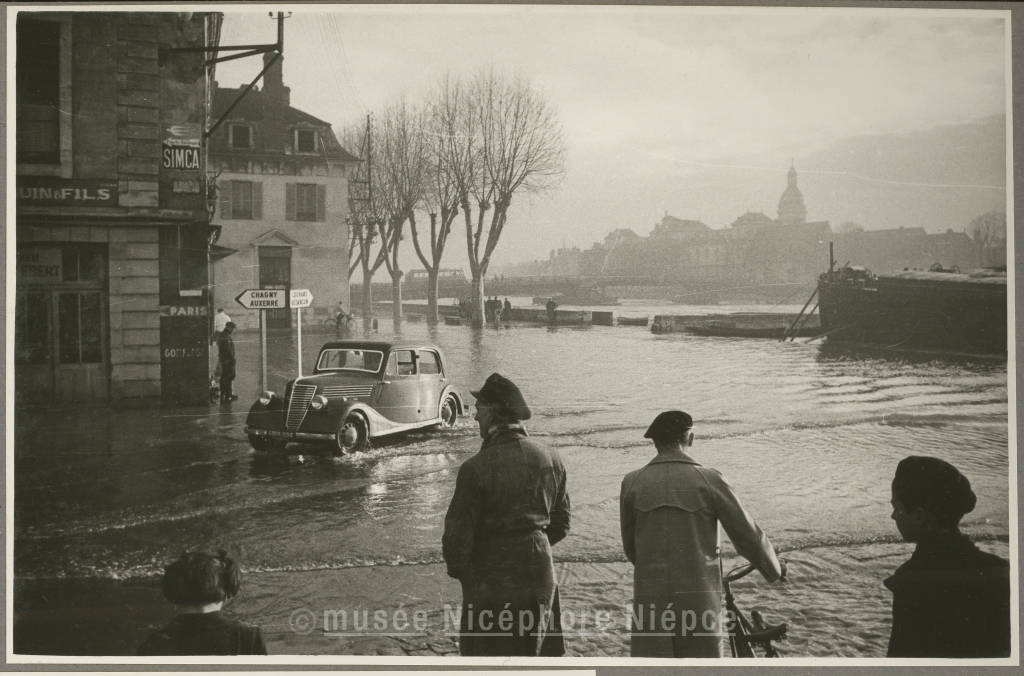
pixel 511 335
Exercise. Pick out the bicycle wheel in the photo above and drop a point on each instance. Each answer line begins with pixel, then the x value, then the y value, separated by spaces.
pixel 331 323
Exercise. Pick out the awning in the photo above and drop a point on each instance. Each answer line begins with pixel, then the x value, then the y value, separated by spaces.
pixel 218 252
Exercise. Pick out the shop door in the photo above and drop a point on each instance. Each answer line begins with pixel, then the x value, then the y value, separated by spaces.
pixel 276 273
pixel 60 346
pixel 61 330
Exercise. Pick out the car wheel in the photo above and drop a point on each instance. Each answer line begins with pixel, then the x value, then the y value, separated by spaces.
pixel 449 412
pixel 264 445
pixel 351 437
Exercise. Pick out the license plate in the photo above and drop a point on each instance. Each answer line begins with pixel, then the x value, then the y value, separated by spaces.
pixel 273 434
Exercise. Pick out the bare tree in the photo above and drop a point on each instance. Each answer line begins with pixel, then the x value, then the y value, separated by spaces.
pixel 509 141
pixel 445 157
pixel 989 233
pixel 403 168
pixel 847 227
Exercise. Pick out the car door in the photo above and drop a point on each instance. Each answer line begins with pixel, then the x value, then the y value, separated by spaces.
pixel 432 381
pixel 399 399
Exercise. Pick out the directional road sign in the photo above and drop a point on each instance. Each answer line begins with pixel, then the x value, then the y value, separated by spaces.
pixel 262 299
pixel 301 298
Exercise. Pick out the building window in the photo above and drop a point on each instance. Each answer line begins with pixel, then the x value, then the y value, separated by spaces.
pixel 241 200
pixel 32 328
pixel 38 91
pixel 305 202
pixel 241 136
pixel 305 141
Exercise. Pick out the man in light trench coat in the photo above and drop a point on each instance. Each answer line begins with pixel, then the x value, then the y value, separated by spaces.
pixel 670 510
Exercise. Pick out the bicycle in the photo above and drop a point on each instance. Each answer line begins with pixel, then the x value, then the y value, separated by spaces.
pixel 340 320
pixel 746 633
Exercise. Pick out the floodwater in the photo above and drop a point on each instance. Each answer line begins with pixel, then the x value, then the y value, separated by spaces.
pixel 808 436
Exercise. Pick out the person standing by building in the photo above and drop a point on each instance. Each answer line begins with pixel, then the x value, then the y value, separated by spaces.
pixel 508 309
pixel 510 506
pixel 669 511
pixel 950 599
pixel 226 357
pixel 220 320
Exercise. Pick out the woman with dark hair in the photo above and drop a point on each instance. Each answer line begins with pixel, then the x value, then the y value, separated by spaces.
pixel 199 584
pixel 950 599
pixel 510 506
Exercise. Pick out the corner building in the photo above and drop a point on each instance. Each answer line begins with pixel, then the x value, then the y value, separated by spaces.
pixel 282 180
pixel 112 220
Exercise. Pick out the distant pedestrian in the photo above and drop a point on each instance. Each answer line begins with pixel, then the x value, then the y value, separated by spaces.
pixel 508 307
pixel 510 506
pixel 669 511
pixel 226 357
pixel 551 307
pixel 950 599
pixel 200 584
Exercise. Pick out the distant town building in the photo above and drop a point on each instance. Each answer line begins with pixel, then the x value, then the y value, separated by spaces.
pixel 112 227
pixel 791 205
pixel 283 187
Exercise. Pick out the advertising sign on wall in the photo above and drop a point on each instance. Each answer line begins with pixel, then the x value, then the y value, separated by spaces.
pixel 46 191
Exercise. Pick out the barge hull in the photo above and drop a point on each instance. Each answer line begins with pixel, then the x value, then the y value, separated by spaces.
pixel 931 315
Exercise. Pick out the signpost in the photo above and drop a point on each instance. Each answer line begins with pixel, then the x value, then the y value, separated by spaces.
pixel 262 299
pixel 298 299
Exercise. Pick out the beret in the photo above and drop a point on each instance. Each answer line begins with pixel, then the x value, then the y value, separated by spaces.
pixel 669 425
pixel 935 486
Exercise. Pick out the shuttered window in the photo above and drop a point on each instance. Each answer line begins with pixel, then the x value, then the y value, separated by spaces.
pixel 305 202
pixel 241 200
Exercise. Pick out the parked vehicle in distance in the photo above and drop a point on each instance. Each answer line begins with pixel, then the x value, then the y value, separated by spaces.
pixel 359 390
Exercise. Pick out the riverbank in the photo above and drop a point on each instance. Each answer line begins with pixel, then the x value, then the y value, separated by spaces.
pixel 112 617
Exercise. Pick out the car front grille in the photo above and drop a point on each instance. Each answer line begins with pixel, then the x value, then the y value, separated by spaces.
pixel 299 397
pixel 348 390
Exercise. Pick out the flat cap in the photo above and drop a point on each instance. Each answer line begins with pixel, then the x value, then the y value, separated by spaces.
pixel 500 392
pixel 669 425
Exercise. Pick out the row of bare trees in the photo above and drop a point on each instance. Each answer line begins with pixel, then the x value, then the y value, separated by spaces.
pixel 468 148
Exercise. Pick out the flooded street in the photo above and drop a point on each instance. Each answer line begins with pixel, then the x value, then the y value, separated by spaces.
pixel 809 437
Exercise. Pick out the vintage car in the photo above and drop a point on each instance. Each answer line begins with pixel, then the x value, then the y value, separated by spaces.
pixel 358 391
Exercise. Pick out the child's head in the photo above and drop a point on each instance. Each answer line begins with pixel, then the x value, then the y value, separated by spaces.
pixel 198 579
pixel 929 494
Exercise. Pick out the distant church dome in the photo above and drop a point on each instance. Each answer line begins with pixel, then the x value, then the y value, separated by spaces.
pixel 791 204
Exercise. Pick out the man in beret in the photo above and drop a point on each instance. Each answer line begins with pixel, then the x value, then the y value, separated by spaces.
pixel 950 599
pixel 670 510
pixel 510 506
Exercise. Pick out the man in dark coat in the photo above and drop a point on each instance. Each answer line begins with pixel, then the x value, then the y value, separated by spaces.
pixel 510 506
pixel 950 599
pixel 226 356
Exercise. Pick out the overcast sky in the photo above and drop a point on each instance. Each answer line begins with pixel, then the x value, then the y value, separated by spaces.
pixel 654 97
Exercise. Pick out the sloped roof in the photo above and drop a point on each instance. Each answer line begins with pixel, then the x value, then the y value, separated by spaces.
pixel 256 107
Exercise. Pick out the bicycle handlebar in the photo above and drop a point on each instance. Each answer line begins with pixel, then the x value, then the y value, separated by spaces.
pixel 740 572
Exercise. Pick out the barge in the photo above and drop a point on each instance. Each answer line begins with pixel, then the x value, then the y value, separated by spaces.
pixel 938 310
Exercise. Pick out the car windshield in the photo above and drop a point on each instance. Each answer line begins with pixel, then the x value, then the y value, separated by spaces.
pixel 350 360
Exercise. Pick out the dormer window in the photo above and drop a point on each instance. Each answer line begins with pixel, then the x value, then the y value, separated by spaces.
pixel 305 141
pixel 241 136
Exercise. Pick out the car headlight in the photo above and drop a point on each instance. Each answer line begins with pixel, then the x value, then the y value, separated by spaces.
pixel 318 402
pixel 266 397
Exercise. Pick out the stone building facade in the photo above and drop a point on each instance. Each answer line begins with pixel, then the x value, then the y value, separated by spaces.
pixel 282 179
pixel 112 297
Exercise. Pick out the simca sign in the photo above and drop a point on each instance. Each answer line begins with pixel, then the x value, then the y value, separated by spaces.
pixel 45 191
pixel 182 147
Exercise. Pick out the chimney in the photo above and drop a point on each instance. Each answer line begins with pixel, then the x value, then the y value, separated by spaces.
pixel 273 81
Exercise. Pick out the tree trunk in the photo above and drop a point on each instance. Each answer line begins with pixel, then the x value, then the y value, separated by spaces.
pixel 432 295
pixel 396 297
pixel 367 295
pixel 476 307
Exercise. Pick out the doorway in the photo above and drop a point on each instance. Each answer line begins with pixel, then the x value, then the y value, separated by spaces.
pixel 275 264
